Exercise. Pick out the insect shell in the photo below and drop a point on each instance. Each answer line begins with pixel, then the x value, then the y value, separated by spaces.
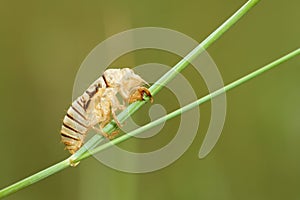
pixel 98 103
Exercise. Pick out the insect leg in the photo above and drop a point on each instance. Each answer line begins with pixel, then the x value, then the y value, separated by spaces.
pixel 108 136
pixel 103 123
pixel 116 118
pixel 114 134
pixel 115 105
pixel 100 131
pixel 138 95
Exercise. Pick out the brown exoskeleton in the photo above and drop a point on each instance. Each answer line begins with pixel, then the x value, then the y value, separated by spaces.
pixel 98 103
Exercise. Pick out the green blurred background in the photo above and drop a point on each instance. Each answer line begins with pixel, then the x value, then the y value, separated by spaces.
pixel 257 157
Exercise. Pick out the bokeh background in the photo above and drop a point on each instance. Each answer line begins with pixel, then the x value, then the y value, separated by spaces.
pixel 257 157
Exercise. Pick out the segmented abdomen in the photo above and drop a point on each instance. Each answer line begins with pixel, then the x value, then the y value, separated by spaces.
pixel 75 126
pixel 98 103
pixel 77 122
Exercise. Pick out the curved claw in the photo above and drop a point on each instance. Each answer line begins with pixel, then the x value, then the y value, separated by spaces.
pixel 138 95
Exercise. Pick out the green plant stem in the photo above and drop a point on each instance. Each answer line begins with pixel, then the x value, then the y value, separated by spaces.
pixel 35 178
pixel 133 107
pixel 191 105
pixel 65 163
pixel 166 78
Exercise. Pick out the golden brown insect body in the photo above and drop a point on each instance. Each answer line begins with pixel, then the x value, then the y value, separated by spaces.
pixel 98 103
